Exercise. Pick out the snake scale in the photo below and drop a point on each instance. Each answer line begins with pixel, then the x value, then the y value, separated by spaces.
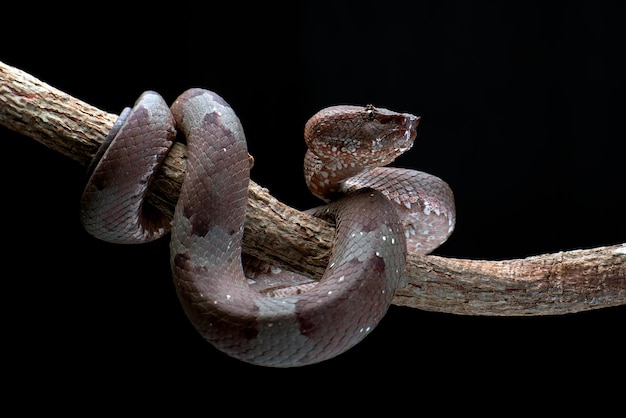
pixel 271 318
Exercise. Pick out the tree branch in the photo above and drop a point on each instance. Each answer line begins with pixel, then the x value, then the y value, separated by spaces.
pixel 558 283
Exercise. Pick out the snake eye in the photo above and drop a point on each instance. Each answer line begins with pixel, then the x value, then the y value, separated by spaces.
pixel 369 109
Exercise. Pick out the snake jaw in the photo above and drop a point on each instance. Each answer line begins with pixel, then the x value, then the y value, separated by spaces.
pixel 398 128
pixel 392 131
pixel 397 133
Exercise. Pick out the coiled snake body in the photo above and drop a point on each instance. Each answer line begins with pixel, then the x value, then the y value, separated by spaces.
pixel 379 212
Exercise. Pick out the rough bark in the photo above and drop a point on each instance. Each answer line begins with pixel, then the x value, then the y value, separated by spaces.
pixel 558 283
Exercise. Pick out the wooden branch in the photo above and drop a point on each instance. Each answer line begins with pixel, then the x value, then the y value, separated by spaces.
pixel 559 283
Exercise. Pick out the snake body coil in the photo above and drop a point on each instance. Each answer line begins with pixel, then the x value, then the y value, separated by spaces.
pixel 303 322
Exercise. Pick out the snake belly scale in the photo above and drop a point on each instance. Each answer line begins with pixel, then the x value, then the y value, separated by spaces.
pixel 305 322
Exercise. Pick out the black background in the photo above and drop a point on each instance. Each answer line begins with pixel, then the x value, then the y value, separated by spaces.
pixel 522 107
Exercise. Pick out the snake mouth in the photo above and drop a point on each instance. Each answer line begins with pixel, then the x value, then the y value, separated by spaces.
pixel 404 132
pixel 410 125
pixel 404 122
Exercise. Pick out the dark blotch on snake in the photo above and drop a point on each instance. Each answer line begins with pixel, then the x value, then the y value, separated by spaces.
pixel 99 181
pixel 199 227
pixel 200 222
pixel 181 260
pixel 378 264
pixel 204 219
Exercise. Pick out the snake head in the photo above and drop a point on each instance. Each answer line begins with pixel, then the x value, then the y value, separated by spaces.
pixel 364 135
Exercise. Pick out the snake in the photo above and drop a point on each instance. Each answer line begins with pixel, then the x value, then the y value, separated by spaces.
pixel 271 317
